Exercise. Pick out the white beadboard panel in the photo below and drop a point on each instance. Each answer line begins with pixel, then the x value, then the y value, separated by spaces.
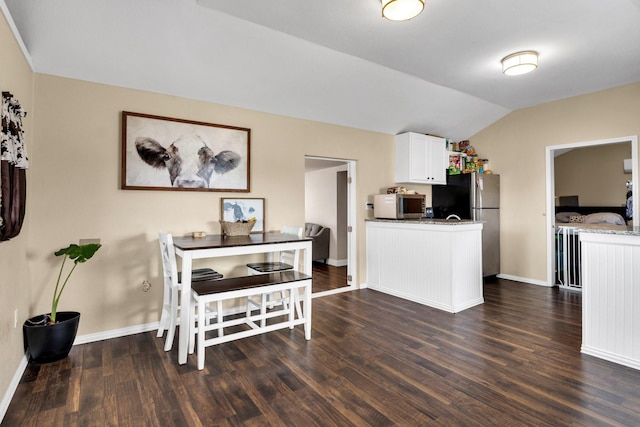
pixel 611 297
pixel 436 265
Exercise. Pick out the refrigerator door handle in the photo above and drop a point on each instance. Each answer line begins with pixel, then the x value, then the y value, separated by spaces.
pixel 476 192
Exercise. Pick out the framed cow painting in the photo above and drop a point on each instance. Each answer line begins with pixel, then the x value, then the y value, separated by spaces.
pixel 163 153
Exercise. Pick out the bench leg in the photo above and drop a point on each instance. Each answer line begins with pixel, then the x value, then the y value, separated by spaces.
pixel 201 333
pixel 307 311
pixel 192 326
pixel 219 317
pixel 263 309
pixel 292 302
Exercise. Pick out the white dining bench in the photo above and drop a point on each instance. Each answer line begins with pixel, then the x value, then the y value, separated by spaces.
pixel 297 312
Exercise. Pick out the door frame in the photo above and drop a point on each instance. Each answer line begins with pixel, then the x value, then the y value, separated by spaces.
pixel 352 253
pixel 550 189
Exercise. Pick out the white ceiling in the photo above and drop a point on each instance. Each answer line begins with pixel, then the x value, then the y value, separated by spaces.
pixel 338 61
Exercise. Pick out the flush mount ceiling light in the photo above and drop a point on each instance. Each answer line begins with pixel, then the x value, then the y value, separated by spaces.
pixel 520 63
pixel 401 10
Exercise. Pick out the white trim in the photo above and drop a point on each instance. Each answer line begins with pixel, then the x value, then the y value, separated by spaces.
pixel 524 280
pixel 352 251
pixel 332 291
pixel 16 34
pixel 13 386
pixel 611 357
pixel 352 219
pixel 337 262
pixel 116 333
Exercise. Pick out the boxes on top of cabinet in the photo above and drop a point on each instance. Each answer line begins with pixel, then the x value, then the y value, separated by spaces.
pixel 421 159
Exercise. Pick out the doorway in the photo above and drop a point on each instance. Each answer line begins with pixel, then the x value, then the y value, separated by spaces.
pixel 551 153
pixel 330 201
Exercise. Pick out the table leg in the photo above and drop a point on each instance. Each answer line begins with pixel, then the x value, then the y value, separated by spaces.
pixel 307 311
pixel 185 311
pixel 307 260
pixel 307 292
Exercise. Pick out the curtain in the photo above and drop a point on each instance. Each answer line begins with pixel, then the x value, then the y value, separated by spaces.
pixel 13 165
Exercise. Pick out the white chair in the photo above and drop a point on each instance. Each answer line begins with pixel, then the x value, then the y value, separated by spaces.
pixel 287 260
pixel 172 282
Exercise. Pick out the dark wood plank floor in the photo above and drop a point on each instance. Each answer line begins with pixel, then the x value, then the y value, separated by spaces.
pixel 374 360
pixel 327 277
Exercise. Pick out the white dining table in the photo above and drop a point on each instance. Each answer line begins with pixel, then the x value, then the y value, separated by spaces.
pixel 213 246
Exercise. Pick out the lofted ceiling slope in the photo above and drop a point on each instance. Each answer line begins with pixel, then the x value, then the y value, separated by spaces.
pixel 337 61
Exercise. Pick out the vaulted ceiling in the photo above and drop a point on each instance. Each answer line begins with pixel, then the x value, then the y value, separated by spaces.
pixel 338 61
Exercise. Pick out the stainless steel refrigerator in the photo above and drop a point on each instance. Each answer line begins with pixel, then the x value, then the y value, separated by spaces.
pixel 474 196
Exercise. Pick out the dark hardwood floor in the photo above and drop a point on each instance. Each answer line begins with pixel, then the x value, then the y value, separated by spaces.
pixel 327 277
pixel 374 360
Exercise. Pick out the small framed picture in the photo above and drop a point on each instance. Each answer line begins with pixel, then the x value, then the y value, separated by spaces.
pixel 243 209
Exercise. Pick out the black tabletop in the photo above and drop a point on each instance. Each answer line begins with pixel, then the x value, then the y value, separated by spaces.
pixel 211 241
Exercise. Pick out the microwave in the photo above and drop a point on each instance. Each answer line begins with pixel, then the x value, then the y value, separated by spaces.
pixel 399 206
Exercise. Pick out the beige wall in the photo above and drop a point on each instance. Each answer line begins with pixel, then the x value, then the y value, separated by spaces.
pixel 15 77
pixel 594 174
pixel 76 192
pixel 515 147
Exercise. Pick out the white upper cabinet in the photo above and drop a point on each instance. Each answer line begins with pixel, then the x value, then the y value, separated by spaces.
pixel 421 159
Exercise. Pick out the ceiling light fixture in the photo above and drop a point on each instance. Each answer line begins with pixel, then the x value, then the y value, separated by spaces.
pixel 520 63
pixel 401 10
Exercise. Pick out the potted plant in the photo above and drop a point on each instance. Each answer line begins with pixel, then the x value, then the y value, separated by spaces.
pixel 49 337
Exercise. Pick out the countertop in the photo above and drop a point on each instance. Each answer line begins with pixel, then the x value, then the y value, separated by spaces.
pixel 633 231
pixel 431 221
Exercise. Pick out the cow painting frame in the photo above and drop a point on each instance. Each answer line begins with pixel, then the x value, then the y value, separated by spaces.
pixel 242 209
pixel 165 153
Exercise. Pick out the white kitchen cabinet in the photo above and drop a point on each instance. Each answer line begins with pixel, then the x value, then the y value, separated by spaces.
pixel 438 264
pixel 421 159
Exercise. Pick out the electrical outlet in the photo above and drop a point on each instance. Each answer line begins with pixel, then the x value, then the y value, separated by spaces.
pixel 15 318
pixel 146 285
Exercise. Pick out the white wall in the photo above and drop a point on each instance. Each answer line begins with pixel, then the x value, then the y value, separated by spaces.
pixel 321 205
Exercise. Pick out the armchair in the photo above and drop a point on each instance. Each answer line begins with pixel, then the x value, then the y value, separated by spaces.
pixel 320 244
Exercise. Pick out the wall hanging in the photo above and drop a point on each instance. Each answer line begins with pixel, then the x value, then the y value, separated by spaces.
pixel 244 210
pixel 13 165
pixel 162 153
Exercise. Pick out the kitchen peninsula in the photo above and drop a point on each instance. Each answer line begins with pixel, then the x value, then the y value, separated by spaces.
pixel 611 295
pixel 433 262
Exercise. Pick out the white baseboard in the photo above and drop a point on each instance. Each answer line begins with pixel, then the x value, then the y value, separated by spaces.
pixel 524 280
pixel 13 386
pixel 611 357
pixel 338 262
pixel 116 333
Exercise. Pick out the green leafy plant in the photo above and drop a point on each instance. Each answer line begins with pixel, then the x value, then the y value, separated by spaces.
pixel 77 253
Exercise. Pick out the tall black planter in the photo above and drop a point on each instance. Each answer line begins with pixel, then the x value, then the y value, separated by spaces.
pixel 49 343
